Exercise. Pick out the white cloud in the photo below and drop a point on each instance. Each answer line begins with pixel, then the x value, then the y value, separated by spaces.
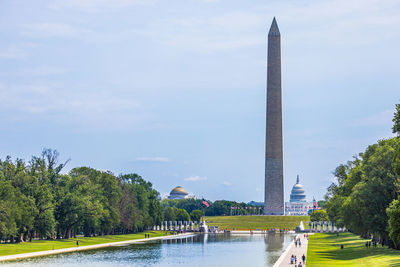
pixel 380 119
pixel 87 35
pixel 53 30
pixel 226 183
pixel 12 53
pixel 39 71
pixel 152 159
pixel 98 5
pixel 239 29
pixel 91 109
pixel 209 34
pixel 195 178
pixel 248 27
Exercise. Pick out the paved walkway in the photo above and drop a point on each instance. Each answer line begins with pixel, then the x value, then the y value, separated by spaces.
pixel 73 249
pixel 284 259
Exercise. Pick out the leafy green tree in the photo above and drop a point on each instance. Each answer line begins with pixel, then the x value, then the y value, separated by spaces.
pixel 396 121
pixel 187 204
pixel 196 215
pixel 169 214
pixel 8 226
pixel 182 215
pixel 321 203
pixel 319 215
pixel 129 211
pixel 155 209
pixel 364 189
pixel 8 210
pixel 334 209
pixel 149 210
pixel 45 172
pixel 219 207
pixel 393 212
pixel 36 200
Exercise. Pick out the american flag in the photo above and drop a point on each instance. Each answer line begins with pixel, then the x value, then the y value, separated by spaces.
pixel 316 205
pixel 205 203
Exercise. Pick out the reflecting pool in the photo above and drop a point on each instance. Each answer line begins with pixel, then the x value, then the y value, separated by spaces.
pixel 198 250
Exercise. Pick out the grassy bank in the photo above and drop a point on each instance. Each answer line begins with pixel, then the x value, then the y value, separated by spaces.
pixel 324 250
pixel 42 245
pixel 256 222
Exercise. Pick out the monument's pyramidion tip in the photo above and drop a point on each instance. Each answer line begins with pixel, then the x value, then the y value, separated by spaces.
pixel 274 30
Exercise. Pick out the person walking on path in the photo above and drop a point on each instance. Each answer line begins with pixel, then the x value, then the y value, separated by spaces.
pixel 77 243
pixel 294 255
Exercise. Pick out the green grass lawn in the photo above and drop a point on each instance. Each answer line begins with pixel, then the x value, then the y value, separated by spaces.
pixel 256 222
pixel 41 245
pixel 324 250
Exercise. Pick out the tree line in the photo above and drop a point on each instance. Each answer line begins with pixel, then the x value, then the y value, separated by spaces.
pixel 216 208
pixel 365 196
pixel 38 201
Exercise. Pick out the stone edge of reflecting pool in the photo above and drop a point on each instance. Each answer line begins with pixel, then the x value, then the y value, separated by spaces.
pixel 84 248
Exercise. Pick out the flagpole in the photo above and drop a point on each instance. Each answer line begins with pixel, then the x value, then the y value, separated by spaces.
pixel 201 219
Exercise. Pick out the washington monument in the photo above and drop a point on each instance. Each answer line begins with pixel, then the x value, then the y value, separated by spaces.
pixel 273 202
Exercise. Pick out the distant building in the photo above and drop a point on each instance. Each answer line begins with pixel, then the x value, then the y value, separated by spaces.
pixel 180 193
pixel 298 205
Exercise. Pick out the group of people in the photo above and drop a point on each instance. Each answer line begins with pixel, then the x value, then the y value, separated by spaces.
pixel 368 244
pixel 297 242
pixel 293 259
pixel 146 235
pixel 171 233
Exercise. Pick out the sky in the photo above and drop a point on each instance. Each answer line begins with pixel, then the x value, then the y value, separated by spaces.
pixel 176 90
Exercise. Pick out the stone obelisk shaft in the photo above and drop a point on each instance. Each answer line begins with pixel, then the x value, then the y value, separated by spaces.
pixel 274 203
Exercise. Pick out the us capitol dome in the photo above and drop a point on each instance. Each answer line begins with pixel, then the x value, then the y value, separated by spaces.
pixel 298 205
pixel 179 193
pixel 298 194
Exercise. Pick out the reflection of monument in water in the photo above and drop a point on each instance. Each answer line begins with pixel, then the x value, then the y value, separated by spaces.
pixel 274 245
pixel 274 242
pixel 273 202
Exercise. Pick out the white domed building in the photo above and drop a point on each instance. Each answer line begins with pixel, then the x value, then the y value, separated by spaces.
pixel 298 205
pixel 179 193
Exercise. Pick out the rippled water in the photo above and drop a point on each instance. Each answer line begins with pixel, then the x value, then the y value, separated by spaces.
pixel 199 250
